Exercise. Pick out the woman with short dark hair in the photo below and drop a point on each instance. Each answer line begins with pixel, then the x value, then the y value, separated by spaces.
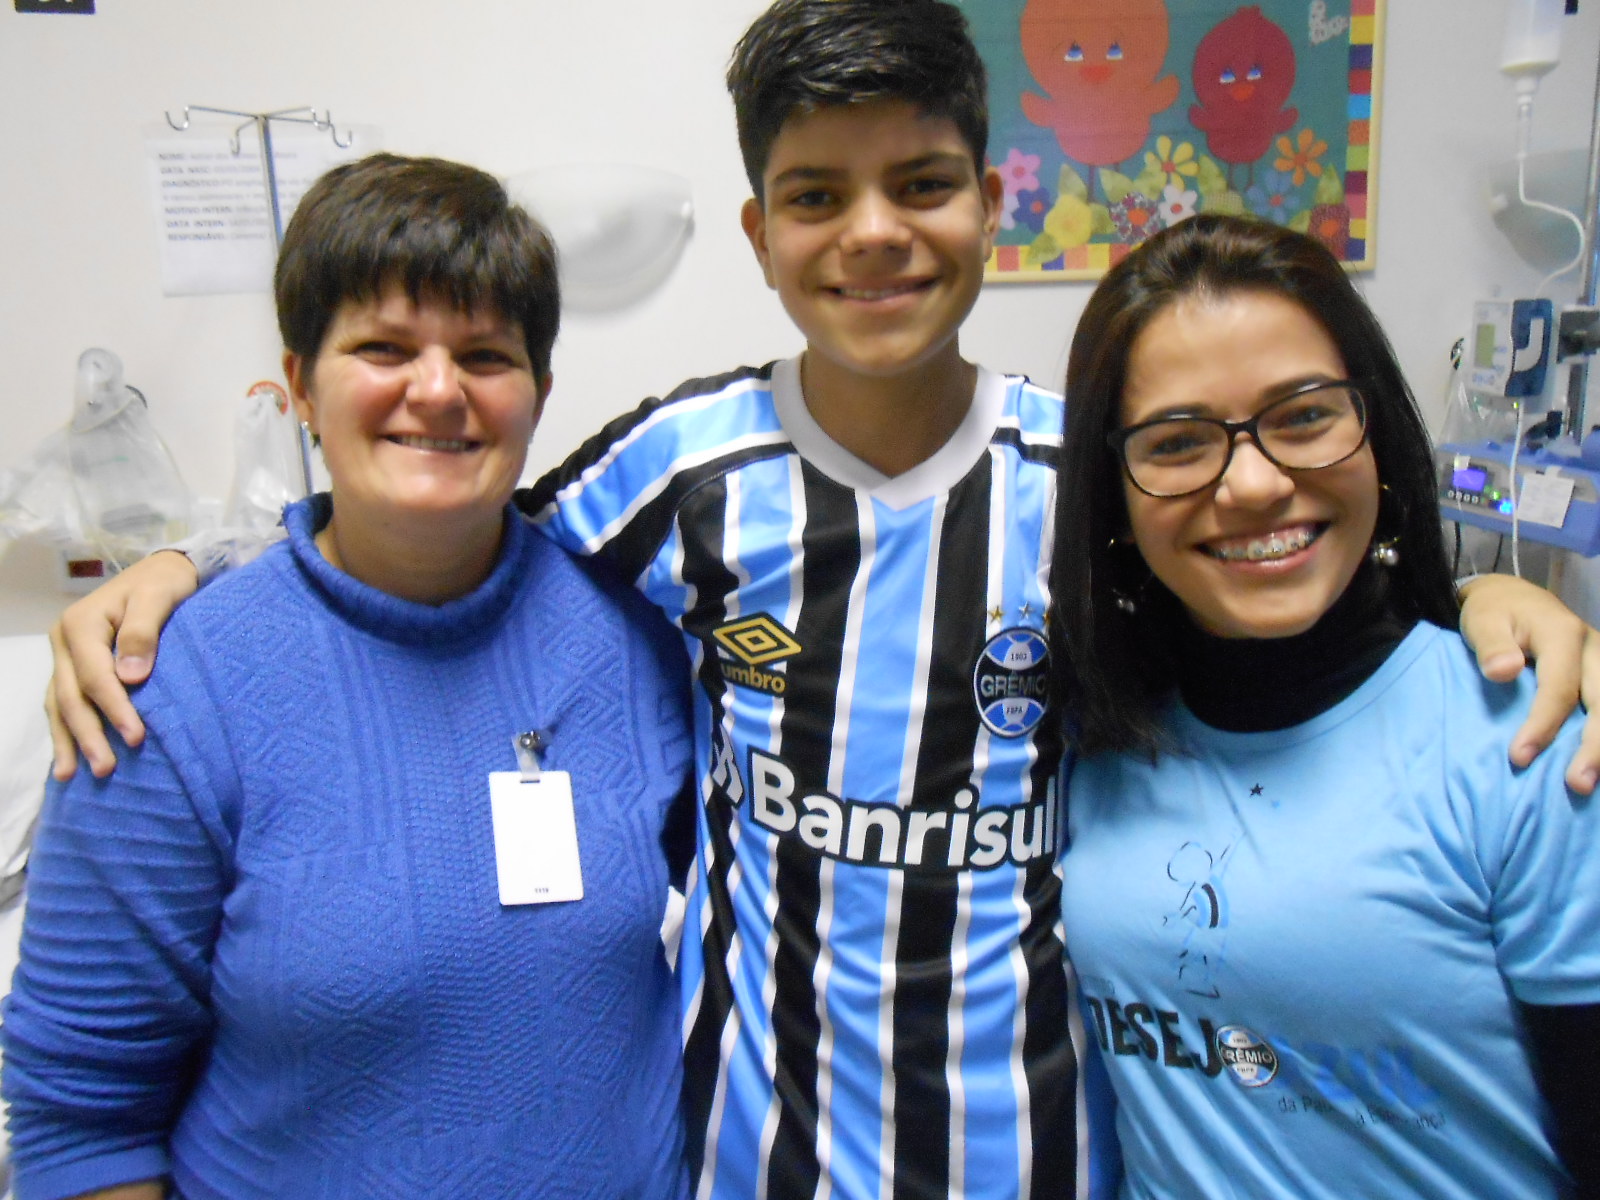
pixel 296 946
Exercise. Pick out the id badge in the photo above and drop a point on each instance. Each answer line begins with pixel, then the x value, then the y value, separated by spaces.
pixel 535 838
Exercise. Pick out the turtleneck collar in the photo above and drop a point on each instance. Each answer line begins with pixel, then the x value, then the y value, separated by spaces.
pixel 1252 685
pixel 406 621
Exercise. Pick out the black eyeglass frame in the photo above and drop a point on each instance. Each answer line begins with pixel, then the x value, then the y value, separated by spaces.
pixel 1118 439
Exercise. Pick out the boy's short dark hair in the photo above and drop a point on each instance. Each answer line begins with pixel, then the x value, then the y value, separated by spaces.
pixel 438 229
pixel 802 55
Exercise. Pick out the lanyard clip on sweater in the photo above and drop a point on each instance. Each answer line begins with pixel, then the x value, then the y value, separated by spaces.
pixel 528 747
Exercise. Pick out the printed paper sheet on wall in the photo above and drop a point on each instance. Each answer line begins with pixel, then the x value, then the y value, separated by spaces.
pixel 1111 119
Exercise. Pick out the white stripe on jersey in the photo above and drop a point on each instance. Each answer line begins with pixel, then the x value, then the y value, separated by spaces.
pixel 821 976
pixel 959 957
pixel 1019 1028
pixel 1080 1047
pixel 889 973
pixel 769 1048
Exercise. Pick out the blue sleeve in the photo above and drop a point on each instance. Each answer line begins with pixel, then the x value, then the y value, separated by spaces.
pixel 620 493
pixel 108 1018
pixel 1540 850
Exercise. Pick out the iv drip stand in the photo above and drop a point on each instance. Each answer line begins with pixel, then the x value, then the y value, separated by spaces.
pixel 262 121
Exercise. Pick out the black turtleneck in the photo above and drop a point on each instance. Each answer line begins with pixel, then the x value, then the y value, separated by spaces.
pixel 1251 685
pixel 1255 685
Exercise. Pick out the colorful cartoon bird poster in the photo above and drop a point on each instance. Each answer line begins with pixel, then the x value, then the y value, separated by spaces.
pixel 1111 119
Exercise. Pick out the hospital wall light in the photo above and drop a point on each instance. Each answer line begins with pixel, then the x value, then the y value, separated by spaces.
pixel 620 229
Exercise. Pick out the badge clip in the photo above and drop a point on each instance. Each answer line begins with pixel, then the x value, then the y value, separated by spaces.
pixel 528 747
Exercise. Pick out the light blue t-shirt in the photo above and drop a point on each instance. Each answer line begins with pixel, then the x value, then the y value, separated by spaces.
pixel 1302 951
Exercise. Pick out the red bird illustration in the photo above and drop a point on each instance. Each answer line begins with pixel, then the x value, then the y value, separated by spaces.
pixel 1243 72
pixel 1099 61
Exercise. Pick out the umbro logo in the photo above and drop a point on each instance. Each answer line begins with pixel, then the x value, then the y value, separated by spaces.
pixel 755 642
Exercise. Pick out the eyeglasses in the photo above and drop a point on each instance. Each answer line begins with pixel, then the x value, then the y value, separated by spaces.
pixel 1316 426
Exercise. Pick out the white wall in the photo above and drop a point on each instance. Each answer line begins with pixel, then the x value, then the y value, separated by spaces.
pixel 513 84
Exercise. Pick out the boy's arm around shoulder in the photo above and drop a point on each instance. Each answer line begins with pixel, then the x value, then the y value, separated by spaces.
pixel 1508 622
pixel 106 643
pixel 102 645
pixel 1535 840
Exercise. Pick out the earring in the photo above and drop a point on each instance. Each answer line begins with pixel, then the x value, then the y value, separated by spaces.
pixel 1385 551
pixel 1126 601
pixel 305 428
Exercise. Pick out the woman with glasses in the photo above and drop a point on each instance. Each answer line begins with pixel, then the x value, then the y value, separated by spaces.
pixel 1331 943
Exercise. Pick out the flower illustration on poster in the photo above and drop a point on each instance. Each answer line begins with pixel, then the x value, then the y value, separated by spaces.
pixel 1112 119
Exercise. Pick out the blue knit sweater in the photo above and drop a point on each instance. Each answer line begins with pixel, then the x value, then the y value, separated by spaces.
pixel 267 956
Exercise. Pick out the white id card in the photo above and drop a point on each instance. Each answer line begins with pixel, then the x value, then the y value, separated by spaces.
pixel 535 838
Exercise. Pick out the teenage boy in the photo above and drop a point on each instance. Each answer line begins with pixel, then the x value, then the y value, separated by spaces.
pixel 856 546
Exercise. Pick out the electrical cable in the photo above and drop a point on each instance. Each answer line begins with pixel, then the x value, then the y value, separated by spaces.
pixel 1524 138
pixel 1516 492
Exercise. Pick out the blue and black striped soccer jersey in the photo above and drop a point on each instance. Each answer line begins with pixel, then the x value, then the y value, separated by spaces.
pixel 875 998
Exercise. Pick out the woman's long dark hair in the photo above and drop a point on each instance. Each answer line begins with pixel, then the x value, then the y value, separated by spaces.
pixel 1122 667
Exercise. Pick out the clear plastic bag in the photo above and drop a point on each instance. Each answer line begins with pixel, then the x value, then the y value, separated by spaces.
pixel 267 474
pixel 130 495
pixel 37 499
pixel 105 485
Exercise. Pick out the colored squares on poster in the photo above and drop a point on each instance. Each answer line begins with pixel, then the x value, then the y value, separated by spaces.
pixel 1140 126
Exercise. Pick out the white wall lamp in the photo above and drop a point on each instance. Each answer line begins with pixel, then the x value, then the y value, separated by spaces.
pixel 620 229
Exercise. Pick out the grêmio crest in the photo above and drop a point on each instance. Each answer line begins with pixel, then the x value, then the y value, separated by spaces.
pixel 1011 683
